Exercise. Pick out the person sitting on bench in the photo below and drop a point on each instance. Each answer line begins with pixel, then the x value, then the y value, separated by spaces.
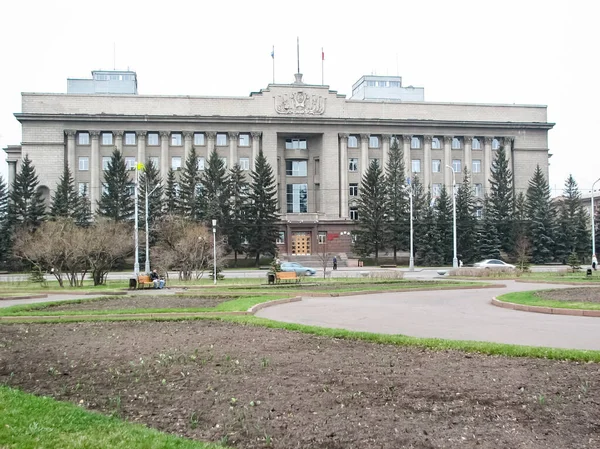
pixel 158 283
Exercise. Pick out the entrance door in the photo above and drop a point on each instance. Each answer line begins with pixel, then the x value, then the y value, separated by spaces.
pixel 301 243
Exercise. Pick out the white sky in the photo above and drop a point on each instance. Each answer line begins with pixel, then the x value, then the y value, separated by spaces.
pixel 524 52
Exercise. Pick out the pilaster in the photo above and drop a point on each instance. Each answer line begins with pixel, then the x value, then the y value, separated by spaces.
pixel 487 163
pixel 364 155
pixel 468 155
pixel 255 147
pixel 71 149
pixel 95 181
pixel 344 194
pixel 141 146
pixel 385 140
pixel 427 161
pixel 407 160
pixel 210 146
pixel 164 156
pixel 233 146
pixel 187 144
pixel 447 162
pixel 508 147
pixel 119 141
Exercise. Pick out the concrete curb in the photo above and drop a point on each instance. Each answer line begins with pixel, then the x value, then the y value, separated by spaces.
pixel 23 297
pixel 548 310
pixel 574 284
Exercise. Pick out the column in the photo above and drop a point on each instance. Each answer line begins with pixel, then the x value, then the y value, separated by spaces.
pixel 447 161
pixel 119 141
pixel 95 180
pixel 344 175
pixel 508 144
pixel 12 174
pixel 255 147
pixel 487 163
pixel 71 149
pixel 187 145
pixel 385 138
pixel 468 156
pixel 364 155
pixel 164 156
pixel 233 146
pixel 141 144
pixel 407 160
pixel 210 146
pixel 427 161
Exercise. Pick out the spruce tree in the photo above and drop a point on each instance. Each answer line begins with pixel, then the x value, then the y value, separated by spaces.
pixel 190 194
pixel 397 201
pixel 466 223
pixel 83 211
pixel 65 199
pixel 151 182
pixel 573 235
pixel 26 207
pixel 237 223
pixel 520 221
pixel 215 191
pixel 420 205
pixel 372 213
pixel 262 210
pixel 172 203
pixel 445 225
pixel 429 242
pixel 117 199
pixel 540 214
pixel 489 242
pixel 501 199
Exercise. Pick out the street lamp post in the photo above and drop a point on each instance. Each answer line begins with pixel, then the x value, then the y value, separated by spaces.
pixel 411 259
pixel 454 258
pixel 147 266
pixel 136 264
pixel 214 224
pixel 593 225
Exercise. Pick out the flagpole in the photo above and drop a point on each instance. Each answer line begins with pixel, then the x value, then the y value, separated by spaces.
pixel 322 67
pixel 273 58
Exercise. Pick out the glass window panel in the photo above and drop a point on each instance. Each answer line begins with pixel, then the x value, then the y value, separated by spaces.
pixel 373 142
pixel 353 164
pixel 154 161
pixel 244 140
pixel 105 162
pixel 130 163
pixel 352 142
pixel 435 144
pixel 297 198
pixel 456 165
pixel 152 138
pixel 84 163
pixel 415 143
pixel 130 138
pixel 176 139
pixel 476 144
pixel 221 139
pixel 476 166
pixel 353 189
pixel 245 163
pixel 436 165
pixel 416 165
pixel 176 162
pixel 455 143
pixel 201 162
pixel 198 138
pixel 83 138
pixel 295 168
pixel 107 138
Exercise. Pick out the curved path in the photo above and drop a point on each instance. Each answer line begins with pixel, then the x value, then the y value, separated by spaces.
pixel 451 314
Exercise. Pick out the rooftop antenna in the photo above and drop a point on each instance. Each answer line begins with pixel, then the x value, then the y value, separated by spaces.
pixel 114 56
pixel 298 75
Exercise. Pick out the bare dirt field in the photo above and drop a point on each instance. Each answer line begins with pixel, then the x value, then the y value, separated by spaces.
pixel 142 302
pixel 581 294
pixel 251 387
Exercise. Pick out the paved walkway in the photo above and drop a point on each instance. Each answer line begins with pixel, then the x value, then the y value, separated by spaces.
pixel 451 314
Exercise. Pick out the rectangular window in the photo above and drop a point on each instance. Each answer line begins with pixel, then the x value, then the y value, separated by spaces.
pixel 322 237
pixel 201 162
pixel 479 211
pixel 295 144
pixel 176 140
pixel 221 139
pixel 373 142
pixel 245 163
pixel 199 139
pixel 130 139
pixel 353 189
pixel 456 165
pixel 416 165
pixel 130 163
pixel 354 213
pixel 455 144
pixel 84 163
pixel 476 144
pixel 154 161
pixel 477 190
pixel 436 189
pixel 83 138
pixel 436 165
pixel 352 142
pixel 176 162
pixel 476 166
pixel 435 144
pixel 84 188
pixel 353 164
pixel 152 139
pixel 297 198
pixel 130 189
pixel 244 140
pixel 107 138
pixel 415 143
pixel 295 168
pixel 105 162
pixel 280 238
pixel 495 144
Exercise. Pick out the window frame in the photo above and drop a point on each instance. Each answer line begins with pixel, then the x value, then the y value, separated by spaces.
pixel 412 165
pixel 220 138
pixel 352 141
pixel 415 143
pixel 296 172
pixel 353 190
pixel 84 163
pixel 126 136
pixel 436 163
pixel 455 163
pixel 436 144
pixel 495 144
pixel 105 161
pixel 154 160
pixel 175 167
pixel 106 134
pixel 353 161
pixel 149 138
pixel 130 163
pixel 244 163
pixel 245 137
pixel 199 141
pixel 476 163
pixel 476 144
pixel 374 141
pixel 176 139
pixel 81 140
pixel 456 144
pixel 353 213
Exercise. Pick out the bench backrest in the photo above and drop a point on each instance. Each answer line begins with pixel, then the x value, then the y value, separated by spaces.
pixel 144 279
pixel 286 274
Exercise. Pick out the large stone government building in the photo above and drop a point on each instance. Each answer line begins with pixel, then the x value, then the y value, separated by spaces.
pixel 318 142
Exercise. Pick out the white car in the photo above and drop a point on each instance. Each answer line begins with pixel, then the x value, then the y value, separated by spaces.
pixel 493 263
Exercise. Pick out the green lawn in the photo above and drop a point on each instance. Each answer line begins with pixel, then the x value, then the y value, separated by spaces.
pixel 31 422
pixel 529 299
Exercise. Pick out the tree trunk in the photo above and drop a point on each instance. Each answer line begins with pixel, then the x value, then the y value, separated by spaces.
pixel 256 262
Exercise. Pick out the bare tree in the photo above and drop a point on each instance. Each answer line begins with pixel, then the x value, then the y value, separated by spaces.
pixel 108 241
pixel 522 251
pixel 324 255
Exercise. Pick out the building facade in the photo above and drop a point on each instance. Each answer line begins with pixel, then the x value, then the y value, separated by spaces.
pixel 318 142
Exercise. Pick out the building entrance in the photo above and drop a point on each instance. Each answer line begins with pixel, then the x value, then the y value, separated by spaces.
pixel 301 243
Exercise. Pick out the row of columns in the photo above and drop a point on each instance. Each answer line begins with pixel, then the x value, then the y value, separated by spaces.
pixel 95 165
pixel 426 168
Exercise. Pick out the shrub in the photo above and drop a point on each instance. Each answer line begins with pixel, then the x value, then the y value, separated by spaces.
pixel 485 273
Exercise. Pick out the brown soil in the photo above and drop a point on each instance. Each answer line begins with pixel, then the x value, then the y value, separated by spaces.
pixel 143 302
pixel 254 387
pixel 581 294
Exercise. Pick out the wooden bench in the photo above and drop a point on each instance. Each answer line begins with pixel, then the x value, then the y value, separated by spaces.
pixel 286 276
pixel 143 280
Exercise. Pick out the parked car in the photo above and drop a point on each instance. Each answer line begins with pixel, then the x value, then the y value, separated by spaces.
pixel 298 268
pixel 492 263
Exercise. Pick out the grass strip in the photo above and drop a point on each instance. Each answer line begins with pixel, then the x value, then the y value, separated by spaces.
pixel 32 422
pixel 529 298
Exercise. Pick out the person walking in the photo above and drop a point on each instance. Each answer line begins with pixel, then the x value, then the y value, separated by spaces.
pixel 594 262
pixel 334 263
